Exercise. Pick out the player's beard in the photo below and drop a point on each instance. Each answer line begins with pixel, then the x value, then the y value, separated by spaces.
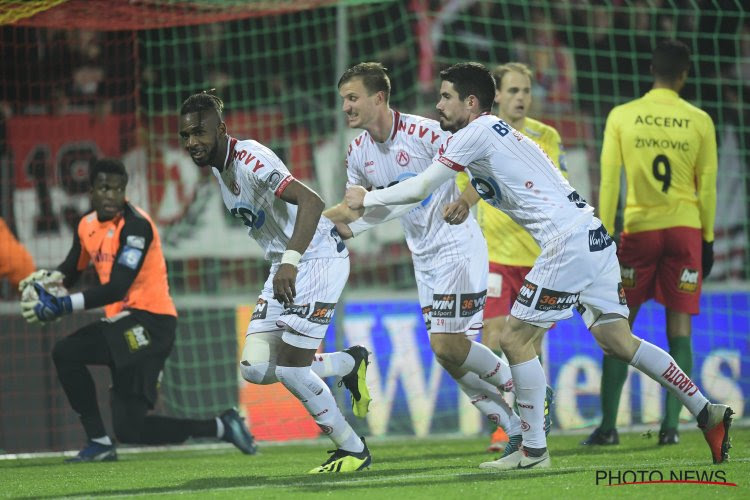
pixel 448 126
pixel 207 159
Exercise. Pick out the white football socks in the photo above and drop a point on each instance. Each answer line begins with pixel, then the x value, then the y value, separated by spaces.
pixel 660 366
pixel 486 398
pixel 531 389
pixel 307 386
pixel 103 440
pixel 485 363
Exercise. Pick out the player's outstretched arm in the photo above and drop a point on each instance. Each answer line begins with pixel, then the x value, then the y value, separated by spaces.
pixel 342 213
pixel 308 215
pixel 408 191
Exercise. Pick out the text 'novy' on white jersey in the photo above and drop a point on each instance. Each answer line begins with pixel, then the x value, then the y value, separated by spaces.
pixel 512 173
pixel 412 146
pixel 251 185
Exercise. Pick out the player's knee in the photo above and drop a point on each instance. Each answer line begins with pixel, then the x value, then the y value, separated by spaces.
pixel 443 345
pixel 60 351
pixel 258 365
pixel 262 373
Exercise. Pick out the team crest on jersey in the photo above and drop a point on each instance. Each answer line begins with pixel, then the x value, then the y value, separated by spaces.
pixel 261 308
pixel 526 293
pixel 444 305
pixel 322 313
pixel 137 338
pixel 688 280
pixel 235 188
pixel 402 158
pixel 472 303
pixel 552 300
pixel 627 274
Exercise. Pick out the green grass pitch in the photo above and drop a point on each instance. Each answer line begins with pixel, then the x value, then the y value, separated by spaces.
pixel 436 468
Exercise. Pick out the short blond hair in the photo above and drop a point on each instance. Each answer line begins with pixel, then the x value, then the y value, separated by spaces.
pixel 500 71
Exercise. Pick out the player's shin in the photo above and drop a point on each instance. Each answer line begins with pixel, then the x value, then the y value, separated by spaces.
pixel 306 386
pixel 482 361
pixel 486 398
pixel 530 388
pixel 661 367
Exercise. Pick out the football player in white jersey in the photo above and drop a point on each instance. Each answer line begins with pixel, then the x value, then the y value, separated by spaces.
pixel 578 266
pixel 450 261
pixel 309 267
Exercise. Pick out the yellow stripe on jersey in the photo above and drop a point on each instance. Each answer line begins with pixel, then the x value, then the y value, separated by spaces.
pixel 668 149
pixel 507 242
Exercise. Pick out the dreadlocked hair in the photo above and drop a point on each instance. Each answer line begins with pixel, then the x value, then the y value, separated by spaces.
pixel 203 101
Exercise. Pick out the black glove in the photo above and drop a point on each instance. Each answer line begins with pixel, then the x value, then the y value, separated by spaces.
pixel 707 258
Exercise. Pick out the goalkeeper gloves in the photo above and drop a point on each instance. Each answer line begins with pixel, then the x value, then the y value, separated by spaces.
pixel 707 258
pixel 47 307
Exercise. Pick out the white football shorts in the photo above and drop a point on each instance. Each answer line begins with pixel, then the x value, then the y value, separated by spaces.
pixel 452 294
pixel 578 270
pixel 305 323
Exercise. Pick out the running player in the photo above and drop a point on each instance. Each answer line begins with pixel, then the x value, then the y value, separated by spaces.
pixel 512 250
pixel 577 268
pixel 668 150
pixel 309 267
pixel 450 262
pixel 137 334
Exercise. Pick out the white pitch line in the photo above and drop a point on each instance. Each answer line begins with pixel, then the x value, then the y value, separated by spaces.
pixel 349 479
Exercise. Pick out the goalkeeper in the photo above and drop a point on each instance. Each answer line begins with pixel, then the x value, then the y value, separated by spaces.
pixel 137 334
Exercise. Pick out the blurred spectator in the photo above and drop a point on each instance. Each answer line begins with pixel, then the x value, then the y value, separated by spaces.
pixel 553 63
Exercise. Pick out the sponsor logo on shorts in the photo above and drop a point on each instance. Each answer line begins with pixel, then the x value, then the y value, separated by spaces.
pixel 526 293
pixel 261 308
pixel 137 338
pixel 688 280
pixel 472 303
pixel 599 239
pixel 621 295
pixel 300 310
pixel 552 300
pixel 426 310
pixel 627 274
pixel 444 305
pixel 322 313
pixel 494 285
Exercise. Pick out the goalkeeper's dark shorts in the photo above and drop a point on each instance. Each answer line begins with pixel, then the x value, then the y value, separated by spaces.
pixel 139 343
